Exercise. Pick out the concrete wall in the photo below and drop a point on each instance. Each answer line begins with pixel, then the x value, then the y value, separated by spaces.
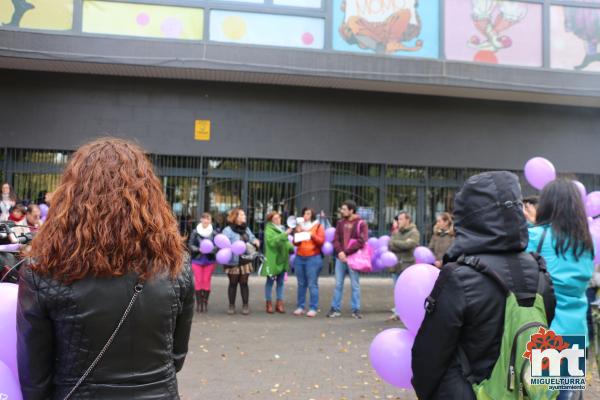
pixel 60 111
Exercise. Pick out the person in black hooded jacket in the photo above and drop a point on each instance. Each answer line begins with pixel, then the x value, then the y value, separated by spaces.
pixel 468 309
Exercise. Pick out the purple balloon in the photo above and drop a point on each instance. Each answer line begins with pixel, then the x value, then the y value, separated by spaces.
pixel 412 288
pixel 327 249
pixel 206 246
pixel 8 327
pixel 581 187
pixel 238 247
pixel 539 172
pixel 291 239
pixel 43 211
pixel 373 242
pixel 10 248
pixel 224 256
pixel 384 241
pixel 222 241
pixel 292 259
pixel 377 265
pixel 592 204
pixel 329 234
pixel 380 250
pixel 391 356
pixel 423 255
pixel 389 259
pixel 9 384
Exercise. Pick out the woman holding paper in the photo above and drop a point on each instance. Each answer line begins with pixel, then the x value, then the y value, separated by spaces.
pixel 309 238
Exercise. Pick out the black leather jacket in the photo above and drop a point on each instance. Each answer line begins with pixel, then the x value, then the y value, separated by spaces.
pixel 62 328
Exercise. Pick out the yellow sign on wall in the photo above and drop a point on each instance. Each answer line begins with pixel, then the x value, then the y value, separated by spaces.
pixel 202 129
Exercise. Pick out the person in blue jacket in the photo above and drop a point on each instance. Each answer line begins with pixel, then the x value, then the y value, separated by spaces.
pixel 561 235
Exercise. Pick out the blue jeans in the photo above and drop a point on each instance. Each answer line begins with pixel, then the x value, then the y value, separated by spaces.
pixel 307 273
pixel 341 269
pixel 269 287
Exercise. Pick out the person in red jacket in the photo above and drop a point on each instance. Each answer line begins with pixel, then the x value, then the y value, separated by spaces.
pixel 308 262
pixel 351 234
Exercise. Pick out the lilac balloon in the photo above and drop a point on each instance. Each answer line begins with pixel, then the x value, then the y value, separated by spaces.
pixel 43 210
pixel 238 247
pixel 377 265
pixel 373 242
pixel 595 232
pixel 423 255
pixel 222 241
pixel 291 239
pixel 9 384
pixel 224 256
pixel 389 259
pixel 592 204
pixel 329 234
pixel 380 250
pixel 539 172
pixel 327 249
pixel 292 259
pixel 412 288
pixel 391 356
pixel 10 248
pixel 384 241
pixel 581 187
pixel 206 246
pixel 8 327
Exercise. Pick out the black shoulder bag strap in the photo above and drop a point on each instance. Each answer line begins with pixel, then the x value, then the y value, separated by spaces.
pixel 136 292
pixel 541 243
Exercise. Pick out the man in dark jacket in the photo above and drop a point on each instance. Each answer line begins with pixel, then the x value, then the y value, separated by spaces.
pixel 468 311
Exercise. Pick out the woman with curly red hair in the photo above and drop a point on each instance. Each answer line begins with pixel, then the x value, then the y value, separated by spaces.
pixel 107 263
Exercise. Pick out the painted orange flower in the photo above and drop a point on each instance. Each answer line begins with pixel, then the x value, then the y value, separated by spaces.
pixel 545 339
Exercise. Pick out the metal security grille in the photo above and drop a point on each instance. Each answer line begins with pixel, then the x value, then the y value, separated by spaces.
pixel 193 185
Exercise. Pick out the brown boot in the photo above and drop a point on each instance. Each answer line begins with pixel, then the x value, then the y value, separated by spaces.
pixel 269 307
pixel 279 307
pixel 206 295
pixel 202 294
pixel 198 300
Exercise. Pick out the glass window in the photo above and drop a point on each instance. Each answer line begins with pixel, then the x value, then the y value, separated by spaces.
pixel 493 32
pixel 182 194
pixel 298 3
pixel 221 195
pixel 144 20
pixel 264 197
pixel 37 14
pixel 31 187
pixel 399 198
pixel 266 29
pixel 574 38
pixel 394 28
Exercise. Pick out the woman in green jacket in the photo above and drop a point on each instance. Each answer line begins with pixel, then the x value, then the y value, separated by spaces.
pixel 277 252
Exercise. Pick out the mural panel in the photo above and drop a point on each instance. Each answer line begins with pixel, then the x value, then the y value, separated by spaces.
pixel 493 31
pixel 387 27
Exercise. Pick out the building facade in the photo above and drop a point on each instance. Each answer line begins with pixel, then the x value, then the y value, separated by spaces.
pixel 278 104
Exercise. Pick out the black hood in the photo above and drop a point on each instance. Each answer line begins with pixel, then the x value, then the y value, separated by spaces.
pixel 488 215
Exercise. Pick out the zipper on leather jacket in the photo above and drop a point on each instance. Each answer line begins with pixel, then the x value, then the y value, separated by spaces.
pixel 510 384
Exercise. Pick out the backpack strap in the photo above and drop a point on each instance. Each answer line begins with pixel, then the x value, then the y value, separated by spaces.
pixel 431 300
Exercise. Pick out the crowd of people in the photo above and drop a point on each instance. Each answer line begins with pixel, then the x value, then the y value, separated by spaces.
pixel 26 216
pixel 127 247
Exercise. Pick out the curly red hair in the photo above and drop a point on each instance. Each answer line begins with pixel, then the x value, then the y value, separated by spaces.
pixel 108 217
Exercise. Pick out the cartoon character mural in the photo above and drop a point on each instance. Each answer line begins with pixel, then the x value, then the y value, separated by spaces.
pixel 37 14
pixel 384 26
pixel 20 8
pixel 492 18
pixel 585 24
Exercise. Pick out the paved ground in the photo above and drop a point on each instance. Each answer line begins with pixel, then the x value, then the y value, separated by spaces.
pixel 264 356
